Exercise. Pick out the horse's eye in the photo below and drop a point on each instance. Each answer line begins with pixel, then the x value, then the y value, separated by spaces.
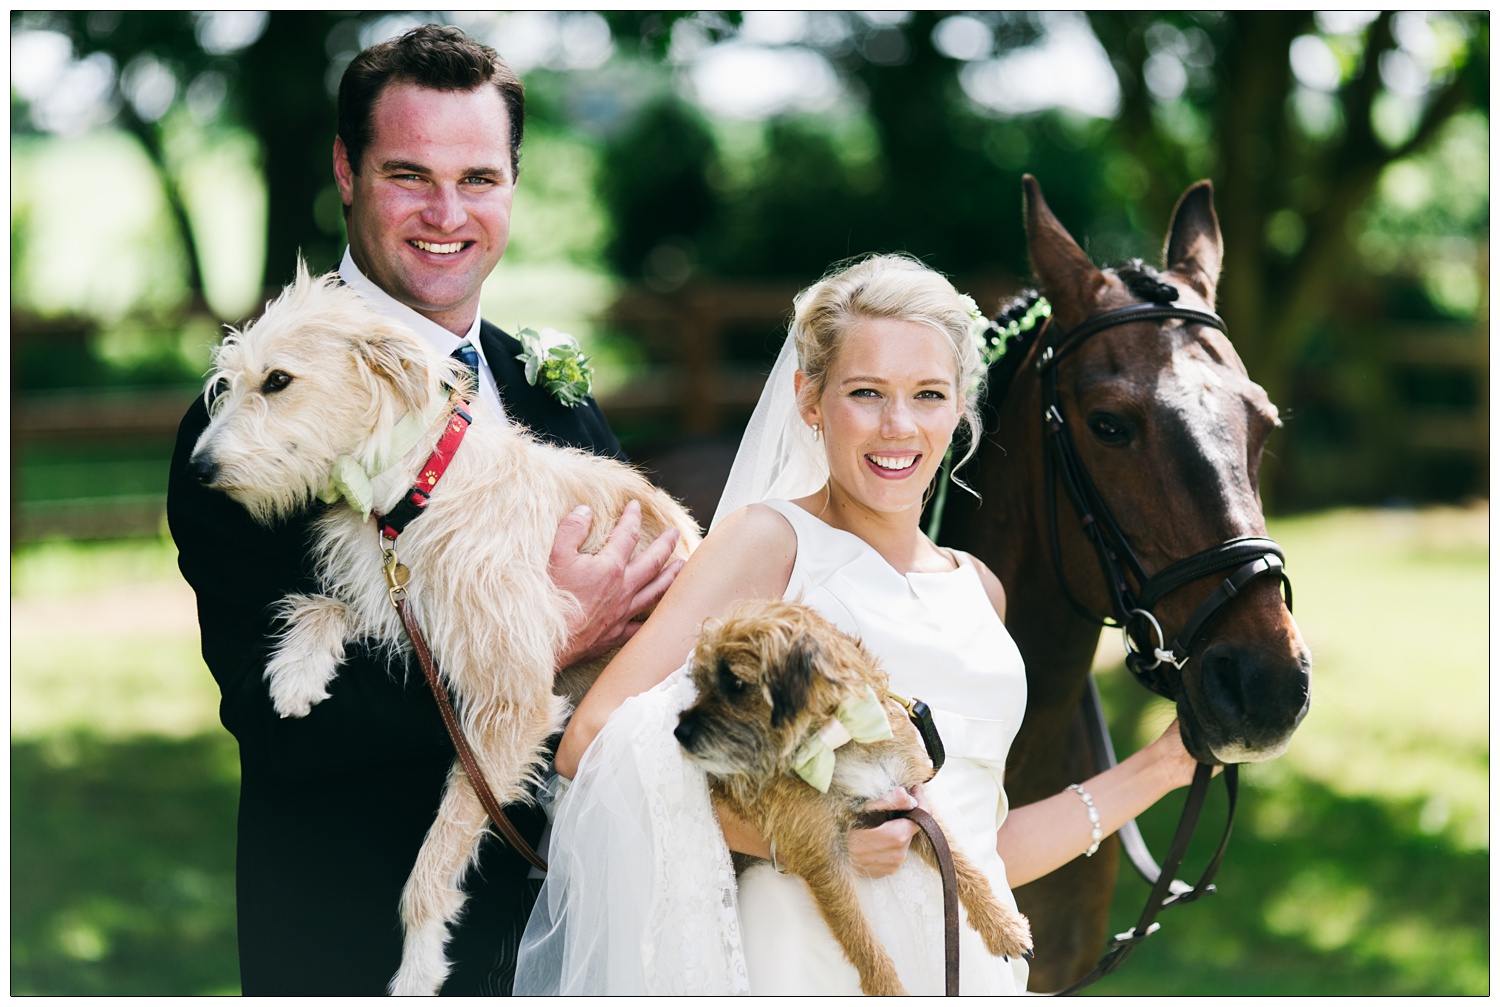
pixel 1109 429
pixel 276 381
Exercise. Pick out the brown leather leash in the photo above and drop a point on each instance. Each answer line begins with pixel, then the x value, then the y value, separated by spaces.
pixel 466 756
pixel 939 842
pixel 921 718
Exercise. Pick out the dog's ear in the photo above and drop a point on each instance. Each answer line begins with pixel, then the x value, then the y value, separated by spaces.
pixel 394 358
pixel 790 689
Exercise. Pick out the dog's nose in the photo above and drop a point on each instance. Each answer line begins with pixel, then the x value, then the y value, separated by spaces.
pixel 685 732
pixel 204 468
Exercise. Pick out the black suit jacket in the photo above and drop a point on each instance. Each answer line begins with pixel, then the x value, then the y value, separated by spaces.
pixel 334 806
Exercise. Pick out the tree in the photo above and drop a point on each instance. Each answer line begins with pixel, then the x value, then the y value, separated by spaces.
pixel 1295 117
pixel 262 72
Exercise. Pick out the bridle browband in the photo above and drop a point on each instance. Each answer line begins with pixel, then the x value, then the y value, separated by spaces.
pixel 1250 558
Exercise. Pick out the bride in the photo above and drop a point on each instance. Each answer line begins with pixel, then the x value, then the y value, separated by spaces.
pixel 823 505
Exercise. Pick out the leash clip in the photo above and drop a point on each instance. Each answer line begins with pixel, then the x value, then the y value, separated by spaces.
pixel 396 577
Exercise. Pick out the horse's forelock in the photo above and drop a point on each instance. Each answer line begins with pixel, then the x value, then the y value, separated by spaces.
pixel 1145 282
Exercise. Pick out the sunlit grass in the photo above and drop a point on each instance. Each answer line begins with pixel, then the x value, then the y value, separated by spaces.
pixel 81 570
pixel 1395 607
pixel 122 865
pixel 1359 862
pixel 104 641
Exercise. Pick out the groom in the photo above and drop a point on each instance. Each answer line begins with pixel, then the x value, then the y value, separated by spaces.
pixel 334 805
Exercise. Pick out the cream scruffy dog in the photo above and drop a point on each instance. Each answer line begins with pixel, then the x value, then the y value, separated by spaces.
pixel 775 681
pixel 323 391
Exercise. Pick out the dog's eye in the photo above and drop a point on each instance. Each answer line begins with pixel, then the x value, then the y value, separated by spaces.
pixel 215 396
pixel 276 381
pixel 730 684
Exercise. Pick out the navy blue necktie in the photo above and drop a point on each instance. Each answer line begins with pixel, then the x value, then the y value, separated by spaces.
pixel 469 357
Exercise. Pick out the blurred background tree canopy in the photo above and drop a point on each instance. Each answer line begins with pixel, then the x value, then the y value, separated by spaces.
pixel 676 152
pixel 684 174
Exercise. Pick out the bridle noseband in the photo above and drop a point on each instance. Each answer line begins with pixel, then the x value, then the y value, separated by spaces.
pixel 1250 558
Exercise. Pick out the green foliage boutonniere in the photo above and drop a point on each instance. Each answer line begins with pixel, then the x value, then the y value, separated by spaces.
pixel 555 360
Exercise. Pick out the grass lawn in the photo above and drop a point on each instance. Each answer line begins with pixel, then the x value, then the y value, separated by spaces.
pixel 1359 864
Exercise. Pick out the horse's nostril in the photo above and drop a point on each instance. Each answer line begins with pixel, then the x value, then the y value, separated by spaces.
pixel 1246 686
pixel 1225 670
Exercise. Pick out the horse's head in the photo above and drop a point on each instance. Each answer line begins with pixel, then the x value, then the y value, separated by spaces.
pixel 1170 429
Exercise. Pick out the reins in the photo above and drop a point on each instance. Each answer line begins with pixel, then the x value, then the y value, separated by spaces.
pixel 1132 610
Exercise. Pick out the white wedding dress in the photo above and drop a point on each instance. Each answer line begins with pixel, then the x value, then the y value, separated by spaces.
pixel 641 897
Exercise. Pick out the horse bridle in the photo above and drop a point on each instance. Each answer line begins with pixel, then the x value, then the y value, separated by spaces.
pixel 1250 558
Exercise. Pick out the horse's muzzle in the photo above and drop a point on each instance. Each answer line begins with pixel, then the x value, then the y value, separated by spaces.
pixel 1243 704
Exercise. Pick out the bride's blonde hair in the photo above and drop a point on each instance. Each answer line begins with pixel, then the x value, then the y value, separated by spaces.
pixel 887 286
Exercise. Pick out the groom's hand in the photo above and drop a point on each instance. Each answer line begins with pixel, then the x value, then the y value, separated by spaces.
pixel 613 589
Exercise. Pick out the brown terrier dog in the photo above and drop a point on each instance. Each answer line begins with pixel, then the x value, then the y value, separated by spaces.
pixel 770 677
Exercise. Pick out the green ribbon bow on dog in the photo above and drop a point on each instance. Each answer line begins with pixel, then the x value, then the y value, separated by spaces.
pixel 353 480
pixel 860 719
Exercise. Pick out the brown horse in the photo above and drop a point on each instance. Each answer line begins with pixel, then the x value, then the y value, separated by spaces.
pixel 1170 429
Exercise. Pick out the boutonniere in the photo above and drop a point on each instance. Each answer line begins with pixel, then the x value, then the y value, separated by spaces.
pixel 555 360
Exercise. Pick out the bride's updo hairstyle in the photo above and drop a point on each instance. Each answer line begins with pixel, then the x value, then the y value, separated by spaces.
pixel 887 286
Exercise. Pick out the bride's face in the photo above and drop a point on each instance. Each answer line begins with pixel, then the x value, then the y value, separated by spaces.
pixel 887 412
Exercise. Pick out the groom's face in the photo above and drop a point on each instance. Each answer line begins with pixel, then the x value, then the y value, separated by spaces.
pixel 429 209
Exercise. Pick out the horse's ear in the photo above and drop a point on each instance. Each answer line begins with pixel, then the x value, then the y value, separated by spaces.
pixel 1065 273
pixel 1195 248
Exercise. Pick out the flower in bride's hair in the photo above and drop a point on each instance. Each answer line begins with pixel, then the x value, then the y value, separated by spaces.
pixel 555 360
pixel 981 326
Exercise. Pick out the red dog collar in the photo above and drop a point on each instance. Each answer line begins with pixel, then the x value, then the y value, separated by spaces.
pixel 412 505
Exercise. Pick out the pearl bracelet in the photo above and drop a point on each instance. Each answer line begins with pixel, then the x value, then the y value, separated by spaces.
pixel 1097 835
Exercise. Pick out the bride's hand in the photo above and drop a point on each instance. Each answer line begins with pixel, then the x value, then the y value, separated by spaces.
pixel 879 852
pixel 1172 759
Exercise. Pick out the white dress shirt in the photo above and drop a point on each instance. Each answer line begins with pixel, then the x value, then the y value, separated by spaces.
pixel 435 334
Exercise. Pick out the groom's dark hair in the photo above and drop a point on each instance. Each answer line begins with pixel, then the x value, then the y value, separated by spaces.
pixel 437 56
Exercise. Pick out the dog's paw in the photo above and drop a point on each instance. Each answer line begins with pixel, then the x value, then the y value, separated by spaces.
pixel 308 652
pixel 1004 930
pixel 294 704
pixel 294 686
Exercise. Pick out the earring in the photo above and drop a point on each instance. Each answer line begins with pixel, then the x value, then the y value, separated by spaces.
pixel 817 432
